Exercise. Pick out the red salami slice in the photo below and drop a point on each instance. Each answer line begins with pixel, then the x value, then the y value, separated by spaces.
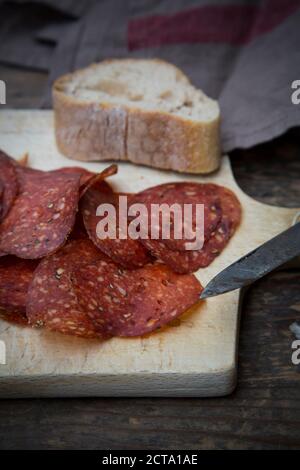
pixel 87 178
pixel 52 300
pixel 190 261
pixel 79 230
pixel 15 277
pixel 181 194
pixel 80 291
pixel 43 214
pixel 84 174
pixel 134 302
pixel 1 197
pixel 8 184
pixel 231 207
pixel 127 252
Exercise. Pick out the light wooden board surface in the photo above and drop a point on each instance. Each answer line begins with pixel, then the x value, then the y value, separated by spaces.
pixel 194 357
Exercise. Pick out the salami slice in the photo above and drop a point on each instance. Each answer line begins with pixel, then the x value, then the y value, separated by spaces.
pixel 85 175
pixel 231 207
pixel 80 291
pixel 127 252
pixel 1 197
pixel 79 230
pixel 42 215
pixel 15 277
pixel 190 261
pixel 8 184
pixel 134 302
pixel 87 178
pixel 181 194
pixel 52 300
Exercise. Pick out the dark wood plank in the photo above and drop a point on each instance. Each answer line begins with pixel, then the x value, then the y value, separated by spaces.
pixel 270 172
pixel 263 412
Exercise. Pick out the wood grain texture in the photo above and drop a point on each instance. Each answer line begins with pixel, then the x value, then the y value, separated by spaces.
pixel 264 410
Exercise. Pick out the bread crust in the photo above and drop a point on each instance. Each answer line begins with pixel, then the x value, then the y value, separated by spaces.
pixel 93 131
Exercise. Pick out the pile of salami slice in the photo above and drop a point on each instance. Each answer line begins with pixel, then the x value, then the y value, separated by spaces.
pixel 56 273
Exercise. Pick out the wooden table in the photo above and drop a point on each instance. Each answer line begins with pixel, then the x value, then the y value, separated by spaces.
pixel 263 412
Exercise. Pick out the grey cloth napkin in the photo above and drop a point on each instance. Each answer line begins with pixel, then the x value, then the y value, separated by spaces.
pixel 243 53
pixel 72 8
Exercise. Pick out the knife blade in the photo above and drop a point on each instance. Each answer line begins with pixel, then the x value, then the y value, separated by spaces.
pixel 256 263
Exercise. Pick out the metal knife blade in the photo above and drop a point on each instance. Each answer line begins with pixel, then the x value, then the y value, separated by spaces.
pixel 257 263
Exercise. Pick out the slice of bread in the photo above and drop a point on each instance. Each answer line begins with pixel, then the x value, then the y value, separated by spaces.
pixel 144 111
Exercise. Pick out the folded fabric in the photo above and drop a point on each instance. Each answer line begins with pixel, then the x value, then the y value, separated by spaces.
pixel 72 8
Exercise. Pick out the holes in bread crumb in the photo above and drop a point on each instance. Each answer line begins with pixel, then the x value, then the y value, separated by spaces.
pixel 110 87
pixel 165 95
pixel 115 88
pixel 137 97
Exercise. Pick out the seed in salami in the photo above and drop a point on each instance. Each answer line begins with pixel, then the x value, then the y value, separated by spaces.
pixel 52 300
pixel 127 252
pixel 42 215
pixel 134 302
pixel 8 184
pixel 15 277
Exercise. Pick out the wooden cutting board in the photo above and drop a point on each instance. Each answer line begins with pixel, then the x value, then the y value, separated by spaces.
pixel 195 356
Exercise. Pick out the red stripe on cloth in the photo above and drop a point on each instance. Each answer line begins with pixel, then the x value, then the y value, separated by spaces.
pixel 233 24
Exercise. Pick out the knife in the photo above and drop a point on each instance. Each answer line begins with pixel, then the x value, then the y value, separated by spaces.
pixel 256 264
